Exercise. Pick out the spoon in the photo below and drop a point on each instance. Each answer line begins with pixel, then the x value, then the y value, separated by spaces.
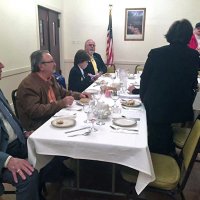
pixel 85 134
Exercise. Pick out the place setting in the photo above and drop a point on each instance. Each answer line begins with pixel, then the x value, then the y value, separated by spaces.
pixel 131 104
pixel 125 125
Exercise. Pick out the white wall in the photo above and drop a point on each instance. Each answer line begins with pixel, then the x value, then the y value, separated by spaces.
pixel 89 19
pixel 19 38
pixel 80 20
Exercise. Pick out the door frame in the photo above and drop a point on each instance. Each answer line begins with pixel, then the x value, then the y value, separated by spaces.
pixel 61 39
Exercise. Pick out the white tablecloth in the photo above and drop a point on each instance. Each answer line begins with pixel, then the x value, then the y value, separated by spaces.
pixel 128 149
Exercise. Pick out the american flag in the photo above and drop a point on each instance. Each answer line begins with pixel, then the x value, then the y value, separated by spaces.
pixel 109 48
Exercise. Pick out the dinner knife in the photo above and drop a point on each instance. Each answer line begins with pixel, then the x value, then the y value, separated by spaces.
pixel 122 128
pixel 77 129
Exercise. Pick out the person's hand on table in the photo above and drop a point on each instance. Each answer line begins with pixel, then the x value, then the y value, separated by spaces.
pixel 131 88
pixel 19 166
pixel 68 100
pixel 27 133
pixel 85 95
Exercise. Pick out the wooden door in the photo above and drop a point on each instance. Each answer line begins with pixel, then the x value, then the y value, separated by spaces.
pixel 49 33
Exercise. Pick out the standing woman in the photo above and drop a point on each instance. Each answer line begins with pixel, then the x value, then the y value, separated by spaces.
pixel 78 80
pixel 168 85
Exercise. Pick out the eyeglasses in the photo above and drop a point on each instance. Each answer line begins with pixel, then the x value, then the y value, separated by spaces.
pixel 44 62
pixel 91 45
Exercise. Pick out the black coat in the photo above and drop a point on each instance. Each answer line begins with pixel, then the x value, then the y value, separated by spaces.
pixel 168 82
pixel 77 82
pixel 100 65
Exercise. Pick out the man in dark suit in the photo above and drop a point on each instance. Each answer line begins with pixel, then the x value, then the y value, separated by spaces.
pixel 14 168
pixel 78 80
pixel 168 85
pixel 96 66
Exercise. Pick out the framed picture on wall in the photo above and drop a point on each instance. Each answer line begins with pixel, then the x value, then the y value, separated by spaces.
pixel 134 23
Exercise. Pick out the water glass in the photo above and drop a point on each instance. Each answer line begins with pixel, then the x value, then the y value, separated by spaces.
pixel 114 96
pixel 86 110
pixel 100 112
pixel 92 119
pixel 116 112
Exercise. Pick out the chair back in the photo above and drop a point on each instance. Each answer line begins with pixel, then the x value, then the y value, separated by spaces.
pixel 139 68
pixel 189 153
pixel 111 68
pixel 14 96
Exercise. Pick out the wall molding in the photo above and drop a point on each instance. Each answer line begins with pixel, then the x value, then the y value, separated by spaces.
pixel 15 71
pixel 117 62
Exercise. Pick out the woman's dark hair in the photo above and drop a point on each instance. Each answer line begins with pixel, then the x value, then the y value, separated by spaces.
pixel 180 32
pixel 36 58
pixel 81 56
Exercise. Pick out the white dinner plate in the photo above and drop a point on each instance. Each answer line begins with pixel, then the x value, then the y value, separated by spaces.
pixel 63 122
pixel 135 104
pixel 79 102
pixel 107 75
pixel 91 91
pixel 124 122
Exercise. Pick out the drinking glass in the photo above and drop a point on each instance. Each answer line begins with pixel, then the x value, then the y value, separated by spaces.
pixel 114 96
pixel 97 96
pixel 86 109
pixel 92 119
pixel 100 111
pixel 116 112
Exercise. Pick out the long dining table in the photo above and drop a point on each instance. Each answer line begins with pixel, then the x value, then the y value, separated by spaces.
pixel 127 148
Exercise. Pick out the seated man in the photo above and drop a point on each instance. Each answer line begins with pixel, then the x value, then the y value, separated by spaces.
pixel 60 78
pixel 14 169
pixel 78 80
pixel 96 66
pixel 39 95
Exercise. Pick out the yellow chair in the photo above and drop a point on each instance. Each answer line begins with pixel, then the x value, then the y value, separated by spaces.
pixel 111 68
pixel 170 177
pixel 139 68
pixel 180 135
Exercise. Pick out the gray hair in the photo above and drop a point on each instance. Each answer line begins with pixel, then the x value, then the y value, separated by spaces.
pixel 36 58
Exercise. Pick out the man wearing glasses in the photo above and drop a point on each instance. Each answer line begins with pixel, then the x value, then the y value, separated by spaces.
pixel 96 66
pixel 39 96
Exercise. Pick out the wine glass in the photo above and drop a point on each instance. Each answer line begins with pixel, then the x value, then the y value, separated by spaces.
pixel 91 118
pixel 97 96
pixel 115 97
pixel 86 109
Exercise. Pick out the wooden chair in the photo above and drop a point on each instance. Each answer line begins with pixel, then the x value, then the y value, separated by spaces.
pixel 170 177
pixel 111 68
pixel 9 189
pixel 138 68
pixel 14 96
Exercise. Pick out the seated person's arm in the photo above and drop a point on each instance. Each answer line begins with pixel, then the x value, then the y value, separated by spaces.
pixel 133 90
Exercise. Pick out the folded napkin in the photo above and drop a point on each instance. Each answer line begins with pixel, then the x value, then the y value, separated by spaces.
pixel 129 95
pixel 65 113
pixel 74 107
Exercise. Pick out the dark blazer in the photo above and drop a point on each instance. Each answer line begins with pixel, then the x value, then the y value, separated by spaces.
pixel 77 82
pixel 100 65
pixel 168 83
pixel 4 137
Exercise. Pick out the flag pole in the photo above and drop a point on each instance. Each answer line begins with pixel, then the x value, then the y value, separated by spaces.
pixel 109 49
